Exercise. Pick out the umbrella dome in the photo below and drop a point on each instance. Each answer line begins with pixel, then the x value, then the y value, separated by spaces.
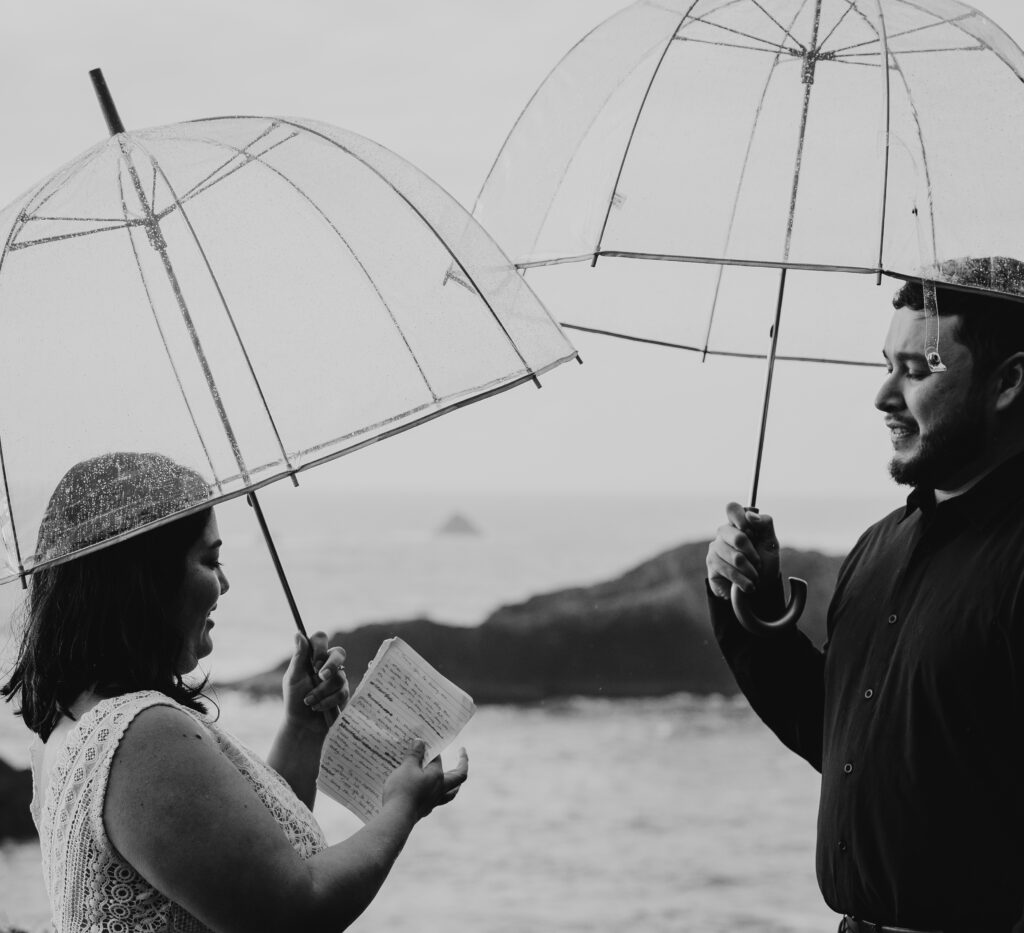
pixel 860 135
pixel 249 296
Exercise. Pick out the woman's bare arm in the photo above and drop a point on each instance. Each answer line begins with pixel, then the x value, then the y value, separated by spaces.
pixel 295 754
pixel 181 814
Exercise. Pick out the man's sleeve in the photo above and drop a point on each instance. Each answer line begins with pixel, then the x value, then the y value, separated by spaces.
pixel 780 673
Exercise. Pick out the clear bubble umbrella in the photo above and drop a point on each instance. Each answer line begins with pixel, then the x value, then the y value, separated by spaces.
pixel 247 296
pixel 767 136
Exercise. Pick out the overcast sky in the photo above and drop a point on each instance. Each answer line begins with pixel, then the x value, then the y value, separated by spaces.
pixel 441 82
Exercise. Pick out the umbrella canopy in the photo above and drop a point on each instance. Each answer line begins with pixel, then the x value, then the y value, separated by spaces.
pixel 861 135
pixel 857 136
pixel 249 296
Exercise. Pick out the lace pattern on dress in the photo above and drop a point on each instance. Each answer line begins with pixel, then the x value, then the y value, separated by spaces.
pixel 91 888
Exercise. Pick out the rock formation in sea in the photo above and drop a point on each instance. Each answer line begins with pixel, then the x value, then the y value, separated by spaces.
pixel 458 524
pixel 645 633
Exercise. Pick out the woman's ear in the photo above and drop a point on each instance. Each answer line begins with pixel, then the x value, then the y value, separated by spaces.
pixel 1009 382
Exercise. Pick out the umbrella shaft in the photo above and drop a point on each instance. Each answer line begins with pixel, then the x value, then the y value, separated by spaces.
pixel 769 372
pixel 278 566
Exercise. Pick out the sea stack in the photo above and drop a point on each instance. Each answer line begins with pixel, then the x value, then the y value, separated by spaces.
pixel 458 524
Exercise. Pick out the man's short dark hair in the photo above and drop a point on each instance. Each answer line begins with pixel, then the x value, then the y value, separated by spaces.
pixel 991 325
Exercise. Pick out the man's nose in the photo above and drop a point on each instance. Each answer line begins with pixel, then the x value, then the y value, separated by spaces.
pixel 888 398
pixel 224 584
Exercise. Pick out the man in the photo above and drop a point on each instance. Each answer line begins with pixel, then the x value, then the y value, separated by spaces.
pixel 914 713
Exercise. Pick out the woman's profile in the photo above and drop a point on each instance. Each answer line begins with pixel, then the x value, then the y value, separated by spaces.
pixel 151 817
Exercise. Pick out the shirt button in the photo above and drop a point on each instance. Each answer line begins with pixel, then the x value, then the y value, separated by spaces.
pixel 848 768
pixel 869 693
pixel 842 845
pixel 892 619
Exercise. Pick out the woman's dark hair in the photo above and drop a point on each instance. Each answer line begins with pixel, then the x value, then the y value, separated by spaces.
pixel 106 622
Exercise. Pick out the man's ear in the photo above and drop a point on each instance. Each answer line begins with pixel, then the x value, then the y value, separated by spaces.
pixel 1009 382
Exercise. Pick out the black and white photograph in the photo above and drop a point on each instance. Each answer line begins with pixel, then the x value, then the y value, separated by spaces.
pixel 537 467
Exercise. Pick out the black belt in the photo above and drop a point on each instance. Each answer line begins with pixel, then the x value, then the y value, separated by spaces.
pixel 853 925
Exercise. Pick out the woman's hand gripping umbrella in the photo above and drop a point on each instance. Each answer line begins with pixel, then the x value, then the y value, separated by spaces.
pixel 251 297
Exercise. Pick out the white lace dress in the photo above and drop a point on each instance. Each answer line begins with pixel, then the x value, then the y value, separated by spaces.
pixel 91 888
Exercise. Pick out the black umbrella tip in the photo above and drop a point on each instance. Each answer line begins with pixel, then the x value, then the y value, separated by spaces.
pixel 110 114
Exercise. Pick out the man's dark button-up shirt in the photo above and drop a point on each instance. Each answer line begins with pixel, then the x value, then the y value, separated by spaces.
pixel 913 713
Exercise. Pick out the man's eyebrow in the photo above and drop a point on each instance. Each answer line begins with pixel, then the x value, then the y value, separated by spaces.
pixel 906 356
pixel 216 544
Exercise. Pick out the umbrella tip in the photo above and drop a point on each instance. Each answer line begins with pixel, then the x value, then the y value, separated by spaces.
pixel 110 114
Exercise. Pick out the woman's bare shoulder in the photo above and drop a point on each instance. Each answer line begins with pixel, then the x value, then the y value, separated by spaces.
pixel 183 816
pixel 162 745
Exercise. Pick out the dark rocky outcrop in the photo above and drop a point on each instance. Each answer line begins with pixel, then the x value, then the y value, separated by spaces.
pixel 458 524
pixel 15 796
pixel 645 633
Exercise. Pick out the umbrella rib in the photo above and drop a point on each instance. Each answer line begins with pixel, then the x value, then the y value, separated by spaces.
pixel 482 392
pixel 735 354
pixel 771 50
pixel 237 152
pixel 352 253
pixel 206 184
pixel 952 21
pixel 884 38
pixel 568 165
pixel 739 189
pixel 831 32
pixel 227 311
pixel 196 191
pixel 56 180
pixel 10 513
pixel 705 260
pixel 848 57
pixel 16 226
pixel 91 220
pixel 56 238
pixel 632 131
pixel 490 389
pixel 847 61
pixel 3 461
pixel 747 35
pixel 158 243
pixel 440 239
pixel 163 339
pixel 777 23
pixel 924 157
pixel 522 113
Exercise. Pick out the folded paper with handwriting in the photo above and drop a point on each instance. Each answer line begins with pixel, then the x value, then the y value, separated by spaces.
pixel 400 698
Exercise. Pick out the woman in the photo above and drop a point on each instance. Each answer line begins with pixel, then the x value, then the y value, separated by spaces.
pixel 151 817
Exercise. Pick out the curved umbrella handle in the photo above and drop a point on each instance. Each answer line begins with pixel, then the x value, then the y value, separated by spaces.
pixel 754 624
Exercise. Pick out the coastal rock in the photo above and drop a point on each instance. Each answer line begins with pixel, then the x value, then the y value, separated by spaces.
pixel 645 633
pixel 15 797
pixel 458 524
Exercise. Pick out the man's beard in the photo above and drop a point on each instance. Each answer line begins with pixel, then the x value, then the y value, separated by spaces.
pixel 950 446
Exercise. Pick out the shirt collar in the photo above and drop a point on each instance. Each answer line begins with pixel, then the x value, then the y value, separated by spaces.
pixel 979 503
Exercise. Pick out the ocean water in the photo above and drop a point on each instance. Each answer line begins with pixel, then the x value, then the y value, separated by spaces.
pixel 672 814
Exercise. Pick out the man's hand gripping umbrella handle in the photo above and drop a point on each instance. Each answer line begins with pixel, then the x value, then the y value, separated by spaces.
pixel 743 605
pixel 753 623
